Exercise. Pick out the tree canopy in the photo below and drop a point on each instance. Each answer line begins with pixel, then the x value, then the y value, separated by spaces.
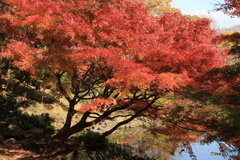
pixel 108 53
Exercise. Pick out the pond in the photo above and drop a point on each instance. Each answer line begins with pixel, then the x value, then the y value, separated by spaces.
pixel 201 151
pixel 145 145
pixel 138 144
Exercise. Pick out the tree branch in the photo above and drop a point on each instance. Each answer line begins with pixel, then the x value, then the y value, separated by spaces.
pixel 118 125
pixel 58 76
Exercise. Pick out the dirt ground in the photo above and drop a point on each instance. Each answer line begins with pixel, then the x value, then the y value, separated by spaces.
pixel 12 152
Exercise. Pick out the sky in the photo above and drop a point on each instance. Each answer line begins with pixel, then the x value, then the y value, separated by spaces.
pixel 201 8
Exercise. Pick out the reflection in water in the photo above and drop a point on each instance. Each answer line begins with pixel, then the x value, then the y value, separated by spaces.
pixel 139 144
pixel 201 151
pixel 144 144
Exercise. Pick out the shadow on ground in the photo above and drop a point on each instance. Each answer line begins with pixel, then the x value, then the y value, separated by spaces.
pixel 21 130
pixel 27 92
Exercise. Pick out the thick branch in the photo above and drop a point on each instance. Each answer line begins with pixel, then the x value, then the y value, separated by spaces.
pixel 119 124
pixel 58 76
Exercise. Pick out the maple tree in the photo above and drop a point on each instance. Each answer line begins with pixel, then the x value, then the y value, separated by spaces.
pixel 108 53
pixel 230 7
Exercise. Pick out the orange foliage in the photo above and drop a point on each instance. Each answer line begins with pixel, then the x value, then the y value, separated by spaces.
pixel 97 104
pixel 110 43
pixel 115 54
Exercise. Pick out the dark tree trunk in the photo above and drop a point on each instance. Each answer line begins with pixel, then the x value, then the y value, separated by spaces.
pixel 58 140
pixel 68 130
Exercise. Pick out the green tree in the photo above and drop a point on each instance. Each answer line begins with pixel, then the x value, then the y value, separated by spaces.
pixel 157 7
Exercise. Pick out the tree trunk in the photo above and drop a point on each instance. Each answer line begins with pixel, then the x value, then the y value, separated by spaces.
pixel 67 130
pixel 58 140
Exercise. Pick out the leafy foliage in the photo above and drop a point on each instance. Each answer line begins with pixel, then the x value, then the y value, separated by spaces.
pixel 226 82
pixel 230 7
pixel 109 53
pixel 157 7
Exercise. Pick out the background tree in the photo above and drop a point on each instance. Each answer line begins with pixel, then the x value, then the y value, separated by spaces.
pixel 109 54
pixel 193 17
pixel 158 7
pixel 230 74
pixel 226 81
pixel 231 7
